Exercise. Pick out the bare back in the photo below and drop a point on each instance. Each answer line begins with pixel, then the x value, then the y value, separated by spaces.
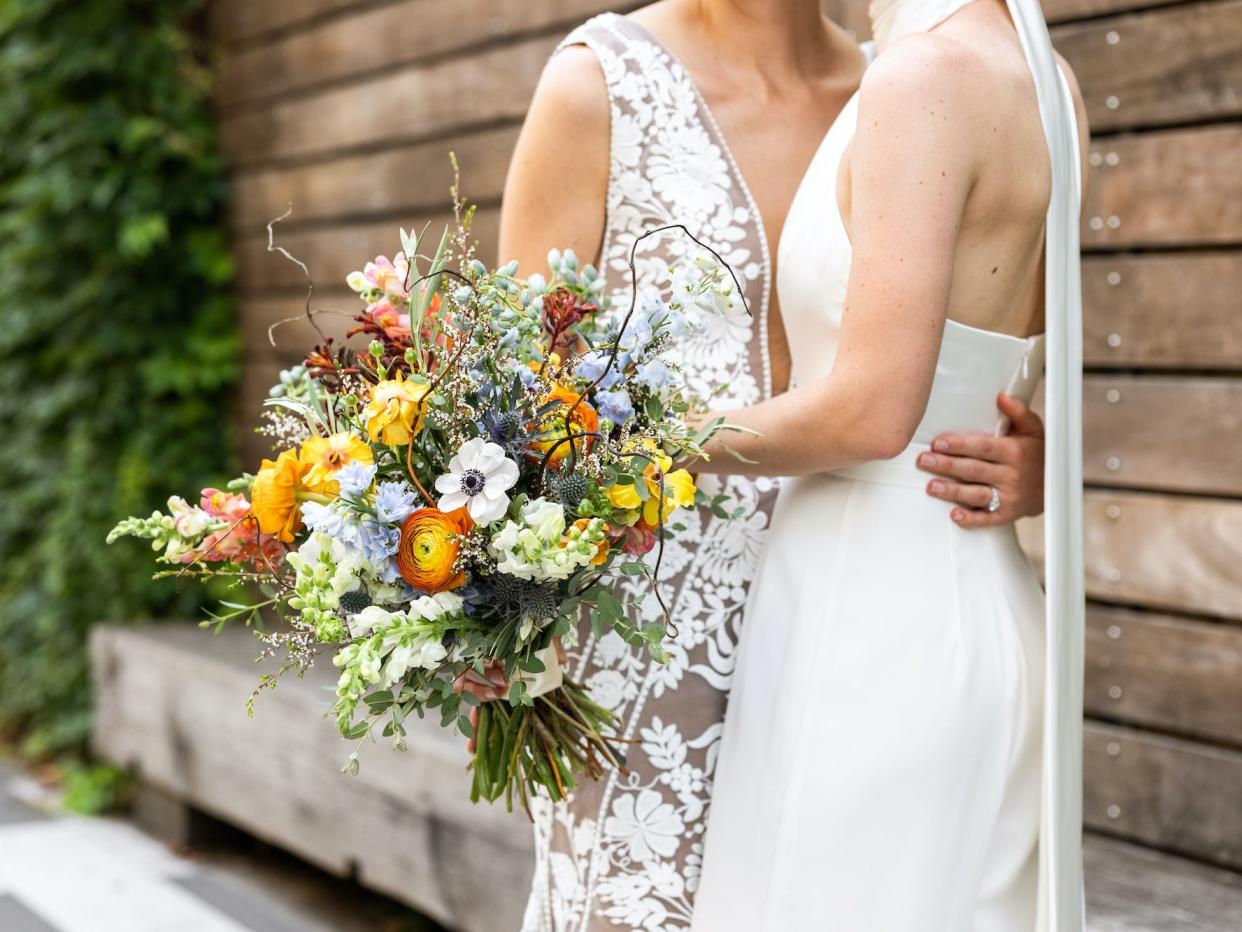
pixel 997 280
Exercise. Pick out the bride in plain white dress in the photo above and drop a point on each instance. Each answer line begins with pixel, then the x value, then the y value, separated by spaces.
pixel 893 760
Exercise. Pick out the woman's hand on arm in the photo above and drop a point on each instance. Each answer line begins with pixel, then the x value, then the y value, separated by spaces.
pixel 557 189
pixel 909 160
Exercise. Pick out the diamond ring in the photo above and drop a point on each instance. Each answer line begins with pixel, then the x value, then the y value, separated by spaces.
pixel 994 503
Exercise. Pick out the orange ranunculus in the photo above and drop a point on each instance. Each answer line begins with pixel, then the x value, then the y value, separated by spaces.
pixel 322 457
pixel 583 420
pixel 428 548
pixel 274 496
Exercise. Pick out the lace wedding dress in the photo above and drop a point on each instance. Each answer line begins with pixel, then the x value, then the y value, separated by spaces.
pixel 892 759
pixel 625 852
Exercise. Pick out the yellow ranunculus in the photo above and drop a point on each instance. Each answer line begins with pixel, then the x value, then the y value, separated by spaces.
pixel 274 496
pixel 679 491
pixel 393 413
pixel 321 457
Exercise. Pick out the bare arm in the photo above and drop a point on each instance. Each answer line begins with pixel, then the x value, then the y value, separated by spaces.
pixel 968 466
pixel 557 189
pixel 909 158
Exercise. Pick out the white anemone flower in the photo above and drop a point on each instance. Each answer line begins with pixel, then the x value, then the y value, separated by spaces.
pixel 478 479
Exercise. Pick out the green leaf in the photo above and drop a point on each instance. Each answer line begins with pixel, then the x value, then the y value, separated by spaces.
pixel 531 664
pixel 357 731
pixel 379 702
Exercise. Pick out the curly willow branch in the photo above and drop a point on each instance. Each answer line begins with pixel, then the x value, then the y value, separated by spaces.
pixel 670 625
pixel 308 314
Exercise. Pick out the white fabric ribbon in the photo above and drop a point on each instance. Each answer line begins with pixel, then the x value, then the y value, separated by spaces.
pixel 1061 888
pixel 551 678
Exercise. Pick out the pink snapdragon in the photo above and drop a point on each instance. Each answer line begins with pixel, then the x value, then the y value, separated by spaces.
pixel 381 278
pixel 235 537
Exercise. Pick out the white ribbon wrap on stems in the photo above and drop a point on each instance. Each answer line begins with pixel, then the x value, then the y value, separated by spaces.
pixel 551 678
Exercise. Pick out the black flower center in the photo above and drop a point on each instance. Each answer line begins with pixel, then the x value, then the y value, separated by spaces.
pixel 472 482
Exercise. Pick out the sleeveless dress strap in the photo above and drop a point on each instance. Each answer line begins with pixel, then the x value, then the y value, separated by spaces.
pixel 1061 894
pixel 598 32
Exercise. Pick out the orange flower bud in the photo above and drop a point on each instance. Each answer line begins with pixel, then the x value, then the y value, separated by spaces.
pixel 583 420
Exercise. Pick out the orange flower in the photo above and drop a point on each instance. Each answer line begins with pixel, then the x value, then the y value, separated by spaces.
pixel 274 496
pixel 428 548
pixel 583 420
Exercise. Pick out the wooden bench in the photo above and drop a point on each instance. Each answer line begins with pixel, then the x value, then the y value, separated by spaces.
pixel 170 704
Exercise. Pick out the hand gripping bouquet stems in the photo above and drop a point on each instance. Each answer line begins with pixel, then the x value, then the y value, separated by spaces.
pixel 445 501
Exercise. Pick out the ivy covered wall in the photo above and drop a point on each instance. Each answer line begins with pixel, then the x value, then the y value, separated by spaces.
pixel 118 345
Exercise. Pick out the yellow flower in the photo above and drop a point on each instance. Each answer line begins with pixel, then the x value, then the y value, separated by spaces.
pixel 393 411
pixel 274 496
pixel 321 457
pixel 679 490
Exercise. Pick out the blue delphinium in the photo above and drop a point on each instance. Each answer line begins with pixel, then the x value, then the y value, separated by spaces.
pixel 592 365
pixel 377 541
pixel 394 501
pixel 616 406
pixel 653 374
pixel 355 478
pixel 330 519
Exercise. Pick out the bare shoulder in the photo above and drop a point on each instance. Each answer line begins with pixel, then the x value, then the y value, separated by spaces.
pixel 573 88
pixel 1071 79
pixel 1080 106
pixel 922 83
pixel 925 77
pixel 556 189
pixel 1080 114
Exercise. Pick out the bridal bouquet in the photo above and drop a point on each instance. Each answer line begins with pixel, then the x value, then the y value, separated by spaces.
pixel 446 500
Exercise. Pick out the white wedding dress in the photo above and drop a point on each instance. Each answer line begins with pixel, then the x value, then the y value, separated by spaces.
pixel 892 760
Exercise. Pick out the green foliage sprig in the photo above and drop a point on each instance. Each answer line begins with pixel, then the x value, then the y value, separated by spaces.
pixel 118 343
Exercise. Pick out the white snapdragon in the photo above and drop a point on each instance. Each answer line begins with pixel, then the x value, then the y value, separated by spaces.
pixel 397 641
pixel 325 571
pixel 189 520
pixel 537 547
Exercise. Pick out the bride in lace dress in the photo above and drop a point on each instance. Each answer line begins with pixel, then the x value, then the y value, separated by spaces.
pixel 621 139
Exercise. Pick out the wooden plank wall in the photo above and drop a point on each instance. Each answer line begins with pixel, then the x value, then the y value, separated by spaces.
pixel 1163 432
pixel 346 109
